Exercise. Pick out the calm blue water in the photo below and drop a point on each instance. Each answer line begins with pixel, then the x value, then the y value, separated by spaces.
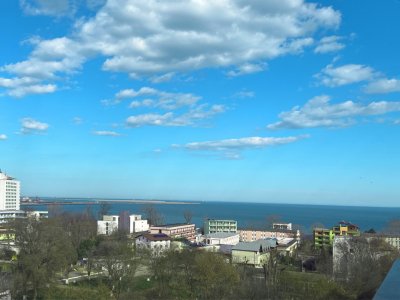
pixel 256 214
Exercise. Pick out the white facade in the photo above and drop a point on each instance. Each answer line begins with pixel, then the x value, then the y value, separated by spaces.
pixel 222 238
pixel 136 224
pixel 156 243
pixel 108 225
pixel 9 193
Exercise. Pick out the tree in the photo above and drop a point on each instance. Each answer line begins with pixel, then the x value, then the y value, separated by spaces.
pixel 104 208
pixel 187 214
pixel 393 227
pixel 153 215
pixel 45 248
pixel 271 219
pixel 117 256
pixel 362 262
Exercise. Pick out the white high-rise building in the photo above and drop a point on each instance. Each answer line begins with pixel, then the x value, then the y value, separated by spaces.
pixel 9 192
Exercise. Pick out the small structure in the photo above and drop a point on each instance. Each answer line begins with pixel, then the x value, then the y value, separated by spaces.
pixel 287 246
pixel 213 226
pixel 108 225
pixel 222 241
pixel 157 243
pixel 222 238
pixel 253 253
pixel 186 231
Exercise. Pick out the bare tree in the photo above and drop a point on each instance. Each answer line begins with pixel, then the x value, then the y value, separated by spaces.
pixel 104 208
pixel 153 215
pixel 187 214
pixel 271 219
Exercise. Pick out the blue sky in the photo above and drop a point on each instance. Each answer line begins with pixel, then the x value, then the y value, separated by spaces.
pixel 285 101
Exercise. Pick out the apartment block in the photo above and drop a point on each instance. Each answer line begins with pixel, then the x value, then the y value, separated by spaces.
pixel 213 226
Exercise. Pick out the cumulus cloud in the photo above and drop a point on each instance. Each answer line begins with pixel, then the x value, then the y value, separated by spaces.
pixel 190 118
pixel 231 148
pixel 352 73
pixel 383 86
pixel 319 112
pixel 3 137
pixel 329 44
pixel 106 133
pixel 19 87
pixel 135 37
pixel 159 99
pixel 31 126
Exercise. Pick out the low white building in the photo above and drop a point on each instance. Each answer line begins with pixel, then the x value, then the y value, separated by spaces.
pixel 222 238
pixel 156 243
pixel 136 224
pixel 108 225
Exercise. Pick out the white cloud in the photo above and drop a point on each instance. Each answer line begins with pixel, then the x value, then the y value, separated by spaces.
pixel 319 112
pixel 135 36
pixel 30 126
pixel 383 86
pixel 106 133
pixel 3 137
pixel 77 120
pixel 397 122
pixel 244 94
pixel 190 118
pixel 46 7
pixel 161 99
pixel 58 8
pixel 337 76
pixel 21 86
pixel 246 69
pixel 162 78
pixel 329 44
pixel 231 148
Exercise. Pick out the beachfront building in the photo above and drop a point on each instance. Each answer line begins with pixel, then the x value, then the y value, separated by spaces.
pixel 253 235
pixel 175 231
pixel 108 225
pixel 346 228
pixel 282 226
pixel 156 243
pixel 323 237
pixel 136 224
pixel 213 226
pixel 254 253
pixel 9 192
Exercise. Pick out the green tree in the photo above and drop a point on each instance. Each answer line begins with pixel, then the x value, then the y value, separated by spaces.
pixel 45 248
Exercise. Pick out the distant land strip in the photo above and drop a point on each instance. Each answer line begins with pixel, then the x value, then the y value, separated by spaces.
pixel 94 202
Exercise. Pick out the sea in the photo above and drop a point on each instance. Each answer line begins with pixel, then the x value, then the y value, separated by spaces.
pixel 251 215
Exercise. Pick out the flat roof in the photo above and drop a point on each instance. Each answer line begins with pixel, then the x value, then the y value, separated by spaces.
pixel 156 236
pixel 265 244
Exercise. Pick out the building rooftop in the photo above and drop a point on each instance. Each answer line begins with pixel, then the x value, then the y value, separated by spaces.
pixel 220 235
pixel 156 237
pixel 265 244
